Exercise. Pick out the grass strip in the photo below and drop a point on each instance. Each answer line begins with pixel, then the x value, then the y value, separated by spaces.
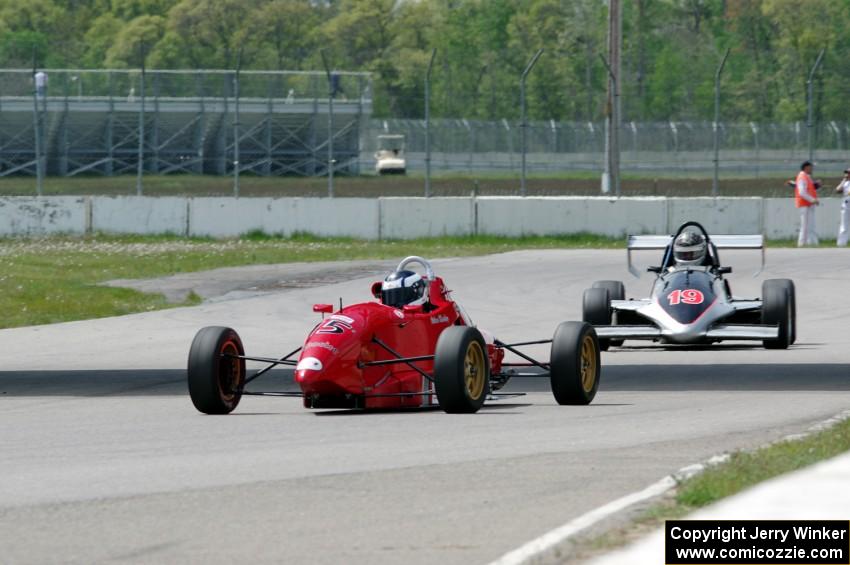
pixel 55 279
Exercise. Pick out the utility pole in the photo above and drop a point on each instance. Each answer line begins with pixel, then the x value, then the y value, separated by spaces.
pixel 330 126
pixel 715 185
pixel 141 152
pixel 810 113
pixel 428 125
pixel 611 175
pixel 523 122
pixel 236 124
pixel 36 122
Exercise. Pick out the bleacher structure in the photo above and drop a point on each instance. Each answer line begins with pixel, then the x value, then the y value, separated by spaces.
pixel 90 121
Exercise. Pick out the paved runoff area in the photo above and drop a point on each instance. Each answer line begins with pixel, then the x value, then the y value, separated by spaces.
pixel 105 459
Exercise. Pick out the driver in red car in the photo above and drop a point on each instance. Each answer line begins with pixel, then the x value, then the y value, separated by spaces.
pixel 404 288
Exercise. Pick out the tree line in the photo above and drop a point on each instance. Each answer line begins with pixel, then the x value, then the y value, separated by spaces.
pixel 671 49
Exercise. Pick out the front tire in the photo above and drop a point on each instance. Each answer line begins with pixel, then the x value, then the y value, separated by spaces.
pixel 776 309
pixel 616 291
pixel 215 377
pixel 461 370
pixel 596 310
pixel 575 364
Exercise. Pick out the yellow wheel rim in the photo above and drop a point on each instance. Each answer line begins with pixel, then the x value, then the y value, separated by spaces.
pixel 230 370
pixel 588 363
pixel 474 370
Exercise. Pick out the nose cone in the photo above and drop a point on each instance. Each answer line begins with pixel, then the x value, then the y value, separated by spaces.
pixel 314 361
pixel 328 362
pixel 308 364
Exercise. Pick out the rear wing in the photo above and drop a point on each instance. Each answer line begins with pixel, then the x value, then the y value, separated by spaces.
pixel 650 242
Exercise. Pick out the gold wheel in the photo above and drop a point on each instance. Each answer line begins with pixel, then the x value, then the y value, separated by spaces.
pixel 474 370
pixel 229 371
pixel 588 363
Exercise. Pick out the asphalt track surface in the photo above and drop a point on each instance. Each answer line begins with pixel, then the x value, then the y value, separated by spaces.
pixel 103 458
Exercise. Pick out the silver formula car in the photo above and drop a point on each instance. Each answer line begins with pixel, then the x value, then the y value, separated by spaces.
pixel 691 302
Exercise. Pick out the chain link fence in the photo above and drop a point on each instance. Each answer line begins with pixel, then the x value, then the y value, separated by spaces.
pixel 670 148
pixel 113 122
pixel 278 123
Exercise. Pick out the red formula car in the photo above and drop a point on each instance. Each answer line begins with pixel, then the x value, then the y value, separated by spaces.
pixel 413 347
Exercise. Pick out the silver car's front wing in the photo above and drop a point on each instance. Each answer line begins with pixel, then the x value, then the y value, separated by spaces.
pixel 717 332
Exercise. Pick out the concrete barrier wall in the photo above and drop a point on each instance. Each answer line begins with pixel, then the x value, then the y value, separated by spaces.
pixel 404 218
pixel 407 218
pixel 720 215
pixel 229 217
pixel 139 215
pixel 559 215
pixel 22 215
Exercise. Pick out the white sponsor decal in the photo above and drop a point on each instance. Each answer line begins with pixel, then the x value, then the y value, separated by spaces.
pixel 399 313
pixel 342 318
pixel 443 319
pixel 309 364
pixel 332 326
pixel 323 345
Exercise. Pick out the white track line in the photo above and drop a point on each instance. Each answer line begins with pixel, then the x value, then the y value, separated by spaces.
pixel 555 537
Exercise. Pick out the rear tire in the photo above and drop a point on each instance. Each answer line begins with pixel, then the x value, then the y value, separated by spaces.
pixel 575 363
pixel 776 310
pixel 596 310
pixel 792 295
pixel 216 381
pixel 616 291
pixel 461 370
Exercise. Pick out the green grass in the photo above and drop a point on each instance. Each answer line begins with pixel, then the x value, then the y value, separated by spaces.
pixel 55 279
pixel 742 470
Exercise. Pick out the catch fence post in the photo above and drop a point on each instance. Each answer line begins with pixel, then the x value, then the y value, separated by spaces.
pixel 716 181
pixel 236 124
pixel 523 122
pixel 330 126
pixel 809 84
pixel 141 151
pixel 428 124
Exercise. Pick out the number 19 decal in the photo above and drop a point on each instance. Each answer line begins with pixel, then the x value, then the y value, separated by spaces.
pixel 687 296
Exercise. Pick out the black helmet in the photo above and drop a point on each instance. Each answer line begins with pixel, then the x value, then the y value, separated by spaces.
pixel 402 288
pixel 689 248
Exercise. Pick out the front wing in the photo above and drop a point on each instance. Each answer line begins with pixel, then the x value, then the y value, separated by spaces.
pixel 717 332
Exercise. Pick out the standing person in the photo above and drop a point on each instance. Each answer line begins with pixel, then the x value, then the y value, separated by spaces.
pixel 844 188
pixel 805 198
pixel 41 84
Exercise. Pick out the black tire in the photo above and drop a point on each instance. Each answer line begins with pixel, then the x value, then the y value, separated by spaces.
pixel 792 296
pixel 575 364
pixel 616 291
pixel 776 310
pixel 596 310
pixel 215 380
pixel 461 370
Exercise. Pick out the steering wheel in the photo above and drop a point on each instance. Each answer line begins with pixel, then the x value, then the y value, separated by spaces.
pixel 429 270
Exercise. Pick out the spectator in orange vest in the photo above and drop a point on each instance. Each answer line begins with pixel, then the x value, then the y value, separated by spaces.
pixel 806 198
